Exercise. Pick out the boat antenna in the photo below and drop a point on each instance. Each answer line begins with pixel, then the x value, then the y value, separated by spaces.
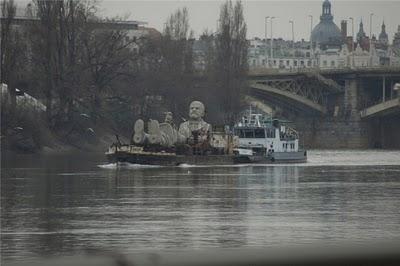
pixel 250 114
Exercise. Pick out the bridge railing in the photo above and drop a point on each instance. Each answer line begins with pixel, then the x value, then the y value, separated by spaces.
pixel 294 71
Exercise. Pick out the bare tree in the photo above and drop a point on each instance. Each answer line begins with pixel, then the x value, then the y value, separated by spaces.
pixel 231 58
pixel 177 60
pixel 12 48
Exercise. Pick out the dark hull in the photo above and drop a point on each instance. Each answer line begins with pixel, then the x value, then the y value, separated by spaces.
pixel 170 160
pixel 281 157
pixel 175 160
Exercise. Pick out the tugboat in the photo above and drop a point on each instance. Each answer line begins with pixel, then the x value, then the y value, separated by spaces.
pixel 265 140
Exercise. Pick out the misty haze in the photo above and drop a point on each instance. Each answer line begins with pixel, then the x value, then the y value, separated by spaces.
pixel 200 132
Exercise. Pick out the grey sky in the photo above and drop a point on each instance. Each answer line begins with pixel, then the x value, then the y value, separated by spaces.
pixel 204 14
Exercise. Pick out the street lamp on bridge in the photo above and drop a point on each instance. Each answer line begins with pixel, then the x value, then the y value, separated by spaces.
pixel 266 34
pixel 311 25
pixel 272 52
pixel 370 38
pixel 292 22
pixel 352 39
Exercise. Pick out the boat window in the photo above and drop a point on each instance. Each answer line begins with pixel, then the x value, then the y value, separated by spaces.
pixel 270 133
pixel 249 134
pixel 259 133
pixel 237 132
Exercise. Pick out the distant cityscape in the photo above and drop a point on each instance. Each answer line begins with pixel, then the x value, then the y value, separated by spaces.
pixel 329 46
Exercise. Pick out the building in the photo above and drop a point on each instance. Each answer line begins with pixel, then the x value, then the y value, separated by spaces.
pixel 331 48
pixel 396 39
pixel 286 55
pixel 383 39
pixel 361 33
pixel 326 34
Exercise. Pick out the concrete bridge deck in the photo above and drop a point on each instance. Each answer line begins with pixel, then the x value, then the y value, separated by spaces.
pixel 382 109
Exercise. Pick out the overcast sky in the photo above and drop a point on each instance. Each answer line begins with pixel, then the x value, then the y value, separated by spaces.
pixel 204 14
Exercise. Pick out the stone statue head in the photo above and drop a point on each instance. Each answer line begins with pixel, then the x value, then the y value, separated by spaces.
pixel 196 110
pixel 168 118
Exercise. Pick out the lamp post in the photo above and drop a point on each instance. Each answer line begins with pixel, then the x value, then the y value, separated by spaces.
pixel 272 53
pixel 352 39
pixel 370 25
pixel 311 44
pixel 266 35
pixel 370 38
pixel 292 22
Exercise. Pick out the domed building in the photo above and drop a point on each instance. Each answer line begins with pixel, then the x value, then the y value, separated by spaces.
pixel 326 33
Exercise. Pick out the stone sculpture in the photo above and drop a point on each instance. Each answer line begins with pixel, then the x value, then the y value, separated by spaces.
pixel 195 124
pixel 165 134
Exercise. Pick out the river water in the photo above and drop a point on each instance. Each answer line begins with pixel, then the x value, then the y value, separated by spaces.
pixel 66 204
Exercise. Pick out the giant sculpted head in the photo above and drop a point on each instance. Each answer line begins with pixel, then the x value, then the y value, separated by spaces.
pixel 196 110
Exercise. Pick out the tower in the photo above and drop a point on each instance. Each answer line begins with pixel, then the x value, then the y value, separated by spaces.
pixel 361 34
pixel 396 39
pixel 326 11
pixel 383 37
pixel 343 29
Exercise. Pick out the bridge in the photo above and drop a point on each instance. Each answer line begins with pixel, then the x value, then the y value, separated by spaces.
pixel 385 108
pixel 305 91
pixel 351 100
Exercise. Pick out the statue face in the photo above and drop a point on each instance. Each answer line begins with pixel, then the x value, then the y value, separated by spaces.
pixel 168 117
pixel 196 110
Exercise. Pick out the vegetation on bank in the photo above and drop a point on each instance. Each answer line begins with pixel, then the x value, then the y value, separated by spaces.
pixel 96 81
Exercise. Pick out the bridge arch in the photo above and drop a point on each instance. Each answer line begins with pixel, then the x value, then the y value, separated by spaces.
pixel 290 94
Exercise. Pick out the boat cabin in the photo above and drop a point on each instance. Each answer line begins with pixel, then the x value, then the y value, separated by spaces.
pixel 264 135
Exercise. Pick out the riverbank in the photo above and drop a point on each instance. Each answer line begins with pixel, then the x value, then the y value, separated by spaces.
pixel 21 143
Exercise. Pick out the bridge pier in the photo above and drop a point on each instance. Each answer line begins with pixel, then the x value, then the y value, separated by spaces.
pixel 384 132
pixel 323 133
pixel 348 128
pixel 351 98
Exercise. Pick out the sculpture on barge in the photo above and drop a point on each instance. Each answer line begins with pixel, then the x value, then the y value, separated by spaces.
pixel 193 142
pixel 165 134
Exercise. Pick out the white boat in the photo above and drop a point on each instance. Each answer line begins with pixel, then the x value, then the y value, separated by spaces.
pixel 264 140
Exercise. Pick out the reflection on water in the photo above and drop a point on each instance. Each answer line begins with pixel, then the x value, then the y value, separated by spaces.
pixel 66 204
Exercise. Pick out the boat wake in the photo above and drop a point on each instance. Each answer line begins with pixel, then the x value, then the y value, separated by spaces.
pixel 126 166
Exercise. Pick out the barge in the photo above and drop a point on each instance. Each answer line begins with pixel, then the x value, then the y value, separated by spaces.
pixel 252 141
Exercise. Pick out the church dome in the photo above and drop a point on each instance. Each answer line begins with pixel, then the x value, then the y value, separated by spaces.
pixel 326 32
